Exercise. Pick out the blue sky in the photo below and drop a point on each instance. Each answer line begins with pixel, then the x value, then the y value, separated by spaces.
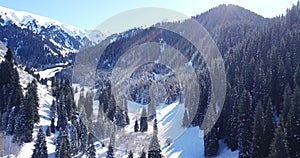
pixel 90 13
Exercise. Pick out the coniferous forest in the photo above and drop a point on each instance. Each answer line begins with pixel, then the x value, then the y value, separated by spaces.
pixel 260 117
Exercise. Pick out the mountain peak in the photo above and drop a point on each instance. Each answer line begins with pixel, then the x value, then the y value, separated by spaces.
pixel 227 13
pixel 23 18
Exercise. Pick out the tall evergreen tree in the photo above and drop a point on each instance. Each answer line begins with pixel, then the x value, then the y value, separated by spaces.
pixel 244 143
pixel 278 146
pixel 144 123
pixel 136 126
pixel 63 149
pixel 110 152
pixel 48 131
pixel 91 151
pixel 143 154
pixel 130 155
pixel 24 123
pixel 269 128
pixel 40 146
pixel 258 132
pixel 154 147
pixel 33 100
pixel 293 125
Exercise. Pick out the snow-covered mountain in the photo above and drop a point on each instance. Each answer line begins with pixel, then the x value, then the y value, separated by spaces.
pixel 42 38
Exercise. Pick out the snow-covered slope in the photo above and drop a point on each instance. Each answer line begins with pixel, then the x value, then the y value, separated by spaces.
pixel 24 20
pixel 20 29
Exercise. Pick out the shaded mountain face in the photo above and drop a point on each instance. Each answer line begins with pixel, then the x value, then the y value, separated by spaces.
pixel 230 24
pixel 227 31
pixel 39 41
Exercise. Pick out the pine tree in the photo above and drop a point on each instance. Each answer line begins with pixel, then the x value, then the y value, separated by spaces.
pixel 258 131
pixel 11 123
pixel 62 121
pixel 40 146
pixel 130 155
pixel 48 131
pixel 33 100
pixel 278 146
pixel 244 143
pixel 287 100
pixel 66 152
pixel 24 123
pixel 91 151
pixel 11 91
pixel 269 129
pixel 211 143
pixel 82 136
pixel 144 123
pixel 52 126
pixel 74 140
pixel 110 152
pixel 136 126
pixel 143 154
pixel 293 125
pixel 154 147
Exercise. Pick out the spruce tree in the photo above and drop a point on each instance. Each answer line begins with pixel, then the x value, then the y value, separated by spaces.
pixel 33 100
pixel 154 147
pixel 110 152
pixel 293 125
pixel 130 155
pixel 74 140
pixel 136 126
pixel 244 140
pixel 11 123
pixel 91 151
pixel 144 123
pixel 48 131
pixel 269 128
pixel 52 126
pixel 24 123
pixel 258 131
pixel 143 154
pixel 40 146
pixel 278 147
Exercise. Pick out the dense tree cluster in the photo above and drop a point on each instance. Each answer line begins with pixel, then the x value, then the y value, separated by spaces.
pixel 262 104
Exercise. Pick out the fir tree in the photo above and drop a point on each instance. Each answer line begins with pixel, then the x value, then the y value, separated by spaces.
pixel 52 126
pixel 136 126
pixel 40 146
pixel 63 149
pixel 269 128
pixel 11 123
pixel 33 100
pixel 258 131
pixel 24 123
pixel 48 131
pixel 74 140
pixel 143 154
pixel 130 155
pixel 144 123
pixel 91 151
pixel 110 152
pixel 278 146
pixel 244 143
pixel 293 125
pixel 154 147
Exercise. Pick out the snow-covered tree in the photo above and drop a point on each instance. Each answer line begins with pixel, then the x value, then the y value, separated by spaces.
pixel 40 146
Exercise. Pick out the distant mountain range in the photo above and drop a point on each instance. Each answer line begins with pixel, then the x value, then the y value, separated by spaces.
pixel 39 40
